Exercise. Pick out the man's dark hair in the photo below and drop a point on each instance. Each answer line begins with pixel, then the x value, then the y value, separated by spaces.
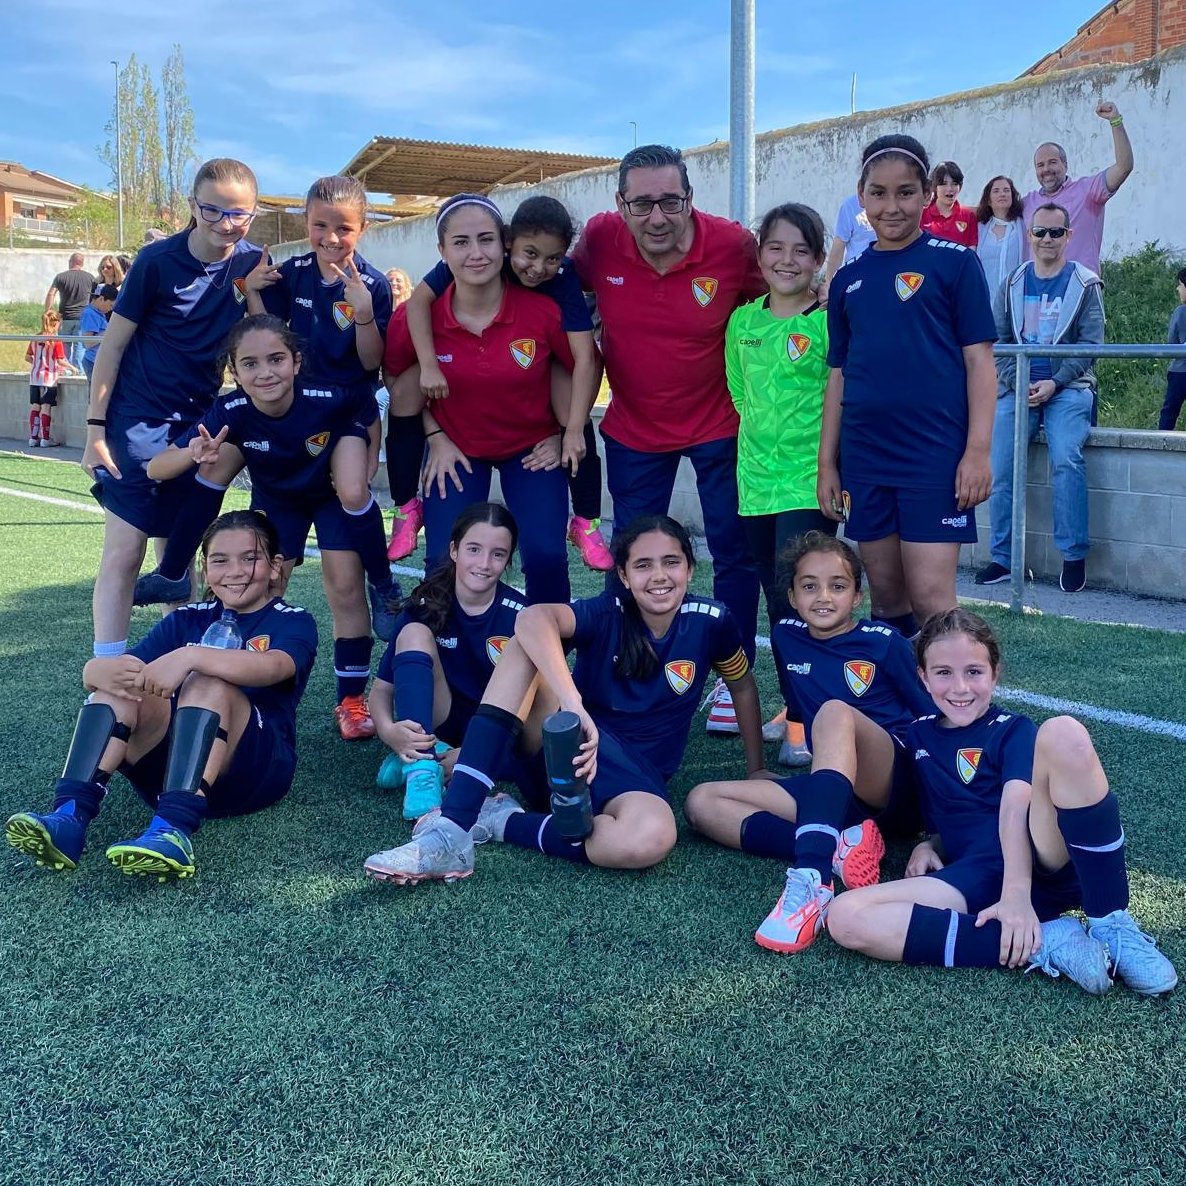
pixel 1066 217
pixel 653 156
pixel 1182 275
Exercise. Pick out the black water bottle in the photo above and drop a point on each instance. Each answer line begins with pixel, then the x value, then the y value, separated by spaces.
pixel 572 808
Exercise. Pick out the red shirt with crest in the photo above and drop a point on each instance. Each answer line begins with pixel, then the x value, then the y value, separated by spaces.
pixel 959 226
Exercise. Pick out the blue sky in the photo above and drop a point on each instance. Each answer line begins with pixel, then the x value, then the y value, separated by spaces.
pixel 297 87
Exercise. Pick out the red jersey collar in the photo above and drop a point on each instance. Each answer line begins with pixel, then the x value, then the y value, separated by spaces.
pixel 503 315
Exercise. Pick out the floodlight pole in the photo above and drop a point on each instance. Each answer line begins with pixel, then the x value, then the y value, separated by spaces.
pixel 741 113
pixel 119 162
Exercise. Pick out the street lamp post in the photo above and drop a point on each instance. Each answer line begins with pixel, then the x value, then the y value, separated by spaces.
pixel 119 162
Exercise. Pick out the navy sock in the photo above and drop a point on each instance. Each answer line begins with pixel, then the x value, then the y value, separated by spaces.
pixel 1095 840
pixel 405 453
pixel 78 798
pixel 182 810
pixel 585 488
pixel 822 801
pixel 765 834
pixel 352 664
pixel 536 831
pixel 197 511
pixel 905 624
pixel 367 539
pixel 484 751
pixel 412 672
pixel 944 939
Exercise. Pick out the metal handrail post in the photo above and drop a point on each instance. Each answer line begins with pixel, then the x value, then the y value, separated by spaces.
pixel 1021 455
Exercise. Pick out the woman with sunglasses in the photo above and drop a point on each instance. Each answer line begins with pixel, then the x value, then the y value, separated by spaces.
pixel 156 374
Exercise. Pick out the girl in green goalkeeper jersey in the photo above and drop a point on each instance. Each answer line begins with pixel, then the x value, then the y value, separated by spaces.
pixel 776 352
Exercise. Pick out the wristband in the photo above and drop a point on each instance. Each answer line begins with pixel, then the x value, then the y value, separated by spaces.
pixel 96 422
pixel 1117 121
pixel 371 322
pixel 433 433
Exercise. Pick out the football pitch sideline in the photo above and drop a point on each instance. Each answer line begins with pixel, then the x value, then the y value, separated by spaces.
pixel 279 1019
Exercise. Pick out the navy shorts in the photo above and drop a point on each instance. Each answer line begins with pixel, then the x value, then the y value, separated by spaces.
pixel 978 875
pixel 150 507
pixel 930 516
pixel 39 395
pixel 619 771
pixel 293 520
pixel 260 773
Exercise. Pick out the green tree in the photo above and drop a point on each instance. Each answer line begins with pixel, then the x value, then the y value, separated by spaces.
pixel 178 117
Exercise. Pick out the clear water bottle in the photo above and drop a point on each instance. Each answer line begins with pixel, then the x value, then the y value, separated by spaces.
pixel 224 633
pixel 572 809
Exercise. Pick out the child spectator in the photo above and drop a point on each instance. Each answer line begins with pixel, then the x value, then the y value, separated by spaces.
pixel 45 359
pixel 94 322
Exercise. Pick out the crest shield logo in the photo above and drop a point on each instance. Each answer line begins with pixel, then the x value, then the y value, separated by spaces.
pixel 343 314
pixel 260 642
pixel 859 676
pixel 704 288
pixel 316 443
pixel 240 289
pixel 680 674
pixel 494 647
pixel 797 346
pixel 906 284
pixel 523 352
pixel 967 761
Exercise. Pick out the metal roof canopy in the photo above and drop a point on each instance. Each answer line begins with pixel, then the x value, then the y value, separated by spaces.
pixel 394 165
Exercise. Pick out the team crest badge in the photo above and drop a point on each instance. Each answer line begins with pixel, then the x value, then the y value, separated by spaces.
pixel 967 762
pixel 859 676
pixel 680 674
pixel 316 443
pixel 343 314
pixel 260 642
pixel 961 226
pixel 240 288
pixel 906 284
pixel 797 346
pixel 494 647
pixel 704 288
pixel 523 352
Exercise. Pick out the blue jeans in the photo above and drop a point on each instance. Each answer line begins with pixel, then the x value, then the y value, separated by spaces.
pixel 1067 419
pixel 538 500
pixel 642 483
pixel 74 350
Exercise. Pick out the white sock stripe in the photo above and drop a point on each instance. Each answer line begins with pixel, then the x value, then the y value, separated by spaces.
pixel 949 945
pixel 110 650
pixel 208 484
pixel 485 780
pixel 539 836
pixel 1113 847
pixel 352 672
pixel 363 511
pixel 828 831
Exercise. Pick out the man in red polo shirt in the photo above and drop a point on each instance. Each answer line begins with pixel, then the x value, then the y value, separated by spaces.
pixel 666 278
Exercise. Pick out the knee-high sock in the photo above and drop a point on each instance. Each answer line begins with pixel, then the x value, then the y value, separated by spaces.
pixel 484 751
pixel 413 688
pixel 822 800
pixel 368 540
pixel 196 513
pixel 585 488
pixel 405 452
pixel 1095 840
pixel 765 834
pixel 945 939
pixel 536 831
pixel 352 664
pixel 34 424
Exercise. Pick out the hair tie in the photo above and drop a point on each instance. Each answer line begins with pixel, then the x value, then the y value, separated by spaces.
pixel 468 200
pixel 904 152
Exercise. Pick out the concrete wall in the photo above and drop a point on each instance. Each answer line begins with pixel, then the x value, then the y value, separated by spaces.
pixel 26 272
pixel 989 131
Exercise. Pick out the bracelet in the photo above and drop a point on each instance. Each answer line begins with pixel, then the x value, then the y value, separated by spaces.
pixel 371 322
pixel 433 433
pixel 96 422
pixel 1117 121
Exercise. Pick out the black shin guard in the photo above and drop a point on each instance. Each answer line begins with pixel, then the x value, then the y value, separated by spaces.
pixel 194 733
pixel 95 728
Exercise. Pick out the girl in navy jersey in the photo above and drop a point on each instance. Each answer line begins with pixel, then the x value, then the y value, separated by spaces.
pixel 539 235
pixel 910 401
pixel 156 374
pixel 641 663
pixel 856 686
pixel 446 643
pixel 1025 828
pixel 286 432
pixel 198 726
pixel 496 340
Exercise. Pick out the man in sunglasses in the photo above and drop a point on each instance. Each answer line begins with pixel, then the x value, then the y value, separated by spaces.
pixel 1049 299
pixel 1084 197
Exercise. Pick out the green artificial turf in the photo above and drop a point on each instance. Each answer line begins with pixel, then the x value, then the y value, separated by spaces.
pixel 278 1019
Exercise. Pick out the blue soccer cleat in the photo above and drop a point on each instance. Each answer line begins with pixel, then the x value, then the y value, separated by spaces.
pixel 55 840
pixel 1068 950
pixel 384 599
pixel 424 788
pixel 1135 956
pixel 154 589
pixel 160 851
pixel 394 770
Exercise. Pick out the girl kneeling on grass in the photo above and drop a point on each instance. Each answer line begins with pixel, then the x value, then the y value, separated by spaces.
pixel 1025 829
pixel 447 640
pixel 199 727
pixel 857 688
pixel 641 663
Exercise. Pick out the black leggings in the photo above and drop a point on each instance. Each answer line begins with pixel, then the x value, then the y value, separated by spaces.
pixel 766 536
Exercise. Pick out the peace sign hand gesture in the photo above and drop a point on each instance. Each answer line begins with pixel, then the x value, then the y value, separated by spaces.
pixel 355 291
pixel 204 448
pixel 263 275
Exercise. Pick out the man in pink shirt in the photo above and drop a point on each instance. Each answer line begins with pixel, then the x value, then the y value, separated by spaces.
pixel 1084 197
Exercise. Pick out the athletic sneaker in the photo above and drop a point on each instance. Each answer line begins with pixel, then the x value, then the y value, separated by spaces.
pixel 384 600
pixel 798 915
pixel 1068 950
pixel 722 717
pixel 393 770
pixel 1135 956
pixel 159 851
pixel 992 574
pixel 491 823
pixel 775 729
pixel 424 787
pixel 794 750
pixel 33 442
pixel 154 589
pixel 54 840
pixel 1073 578
pixel 405 528
pixel 354 719
pixel 440 853
pixel 585 535
pixel 857 860
pixel 50 443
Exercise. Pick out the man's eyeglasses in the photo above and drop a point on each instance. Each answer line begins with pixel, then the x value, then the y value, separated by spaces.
pixel 641 207
pixel 215 214
pixel 1055 232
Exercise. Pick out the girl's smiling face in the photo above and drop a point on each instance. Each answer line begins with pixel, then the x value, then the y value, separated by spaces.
pixel 787 263
pixel 893 196
pixel 333 232
pixel 266 369
pixel 471 245
pixel 824 594
pixel 657 574
pixel 216 239
pixel 481 558
pixel 958 673
pixel 239 571
pixel 536 256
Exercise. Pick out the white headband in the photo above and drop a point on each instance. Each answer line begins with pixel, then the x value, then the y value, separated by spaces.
pixel 902 151
pixel 467 200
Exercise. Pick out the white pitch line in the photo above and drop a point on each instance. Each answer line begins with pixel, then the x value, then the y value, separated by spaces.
pixel 1075 708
